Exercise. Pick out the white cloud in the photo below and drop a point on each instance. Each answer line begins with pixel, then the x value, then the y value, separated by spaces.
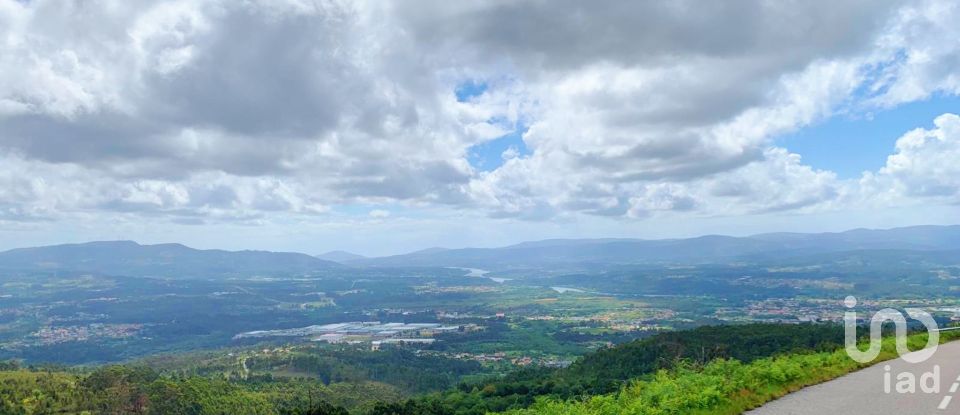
pixel 301 93
pixel 923 169
pixel 919 55
pixel 255 110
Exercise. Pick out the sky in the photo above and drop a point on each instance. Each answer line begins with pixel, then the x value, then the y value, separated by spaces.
pixel 386 127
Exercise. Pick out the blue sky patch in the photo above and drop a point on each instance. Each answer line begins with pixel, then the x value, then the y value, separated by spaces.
pixel 852 144
pixel 470 89
pixel 488 156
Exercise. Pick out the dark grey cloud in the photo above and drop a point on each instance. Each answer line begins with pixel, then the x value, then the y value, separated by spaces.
pixel 259 86
pixel 738 49
pixel 569 33
pixel 261 74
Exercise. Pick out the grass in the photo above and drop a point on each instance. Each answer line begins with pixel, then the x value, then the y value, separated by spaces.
pixel 724 387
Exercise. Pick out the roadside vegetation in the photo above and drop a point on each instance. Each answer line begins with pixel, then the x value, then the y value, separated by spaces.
pixel 723 386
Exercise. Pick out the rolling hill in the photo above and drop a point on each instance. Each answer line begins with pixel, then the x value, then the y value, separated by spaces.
pixel 127 258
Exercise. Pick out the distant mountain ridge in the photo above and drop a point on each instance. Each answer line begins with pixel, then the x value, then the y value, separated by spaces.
pixel 128 258
pixel 340 256
pixel 561 252
pixel 175 260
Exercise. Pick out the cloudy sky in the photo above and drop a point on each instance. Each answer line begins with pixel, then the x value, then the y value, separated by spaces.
pixel 383 127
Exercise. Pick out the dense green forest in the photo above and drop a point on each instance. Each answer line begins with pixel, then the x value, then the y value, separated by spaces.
pixel 680 359
pixel 140 390
pixel 409 372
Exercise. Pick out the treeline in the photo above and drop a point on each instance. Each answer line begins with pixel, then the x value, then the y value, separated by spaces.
pixel 410 372
pixel 608 370
pixel 140 390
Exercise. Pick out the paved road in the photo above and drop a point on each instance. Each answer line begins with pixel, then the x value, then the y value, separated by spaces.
pixel 863 392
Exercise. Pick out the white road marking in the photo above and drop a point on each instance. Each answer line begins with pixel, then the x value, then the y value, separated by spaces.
pixel 945 402
pixel 946 399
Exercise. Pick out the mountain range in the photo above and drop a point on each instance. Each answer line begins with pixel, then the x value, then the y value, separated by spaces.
pixel 175 260
pixel 129 258
pixel 712 248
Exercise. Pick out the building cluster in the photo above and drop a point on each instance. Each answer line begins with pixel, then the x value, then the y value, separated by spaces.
pixel 54 335
pixel 501 357
pixel 544 362
pixel 778 310
pixel 482 357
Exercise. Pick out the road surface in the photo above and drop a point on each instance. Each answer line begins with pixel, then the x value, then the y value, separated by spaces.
pixel 864 392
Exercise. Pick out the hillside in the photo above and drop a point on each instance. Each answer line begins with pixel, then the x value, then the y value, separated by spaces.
pixel 141 390
pixel 706 370
pixel 608 370
pixel 127 258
